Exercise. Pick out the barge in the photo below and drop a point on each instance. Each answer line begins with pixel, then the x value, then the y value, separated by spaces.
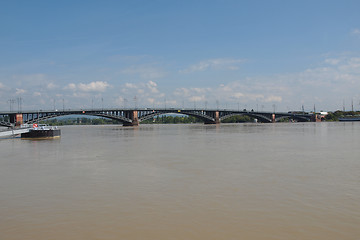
pixel 349 119
pixel 42 131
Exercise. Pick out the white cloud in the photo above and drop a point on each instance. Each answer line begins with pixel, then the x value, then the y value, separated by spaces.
pixel 147 88
pixel 20 91
pixel 192 95
pixel 51 86
pixel 218 64
pixel 332 61
pixel 130 85
pixel 33 81
pixel 71 86
pixel 334 79
pixel 200 90
pixel 152 86
pixel 98 86
pixel 145 92
pixel 351 65
pixel 238 95
pixel 273 99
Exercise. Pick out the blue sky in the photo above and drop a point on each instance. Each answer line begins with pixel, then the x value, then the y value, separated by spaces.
pixel 231 54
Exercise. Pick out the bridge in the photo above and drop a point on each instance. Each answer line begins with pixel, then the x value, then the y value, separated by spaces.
pixel 132 117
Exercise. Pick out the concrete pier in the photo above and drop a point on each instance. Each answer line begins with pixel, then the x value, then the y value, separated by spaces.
pixel 13 132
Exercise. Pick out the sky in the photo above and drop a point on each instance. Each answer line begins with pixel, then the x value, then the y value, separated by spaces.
pixel 261 55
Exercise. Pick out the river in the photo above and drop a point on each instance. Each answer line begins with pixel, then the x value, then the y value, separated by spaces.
pixel 172 182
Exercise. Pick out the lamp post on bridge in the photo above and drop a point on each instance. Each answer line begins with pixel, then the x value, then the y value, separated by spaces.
pixel 20 100
pixel 11 102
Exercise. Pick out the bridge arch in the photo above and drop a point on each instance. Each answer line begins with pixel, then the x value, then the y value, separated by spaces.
pixel 41 117
pixel 294 117
pixel 201 115
pixel 262 118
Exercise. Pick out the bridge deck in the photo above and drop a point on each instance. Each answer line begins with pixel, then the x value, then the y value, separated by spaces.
pixel 132 117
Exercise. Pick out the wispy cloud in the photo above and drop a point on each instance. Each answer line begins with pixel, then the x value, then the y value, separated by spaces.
pixel 336 78
pixel 233 92
pixel 219 64
pixel 144 72
pixel 193 94
pixel 356 32
pixel 332 61
pixel 38 80
pixel 272 98
pixel 145 93
pixel 130 58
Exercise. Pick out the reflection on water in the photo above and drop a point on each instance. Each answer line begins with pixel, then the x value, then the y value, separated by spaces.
pixel 243 181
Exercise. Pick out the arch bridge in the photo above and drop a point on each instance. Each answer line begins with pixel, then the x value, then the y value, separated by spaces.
pixel 132 117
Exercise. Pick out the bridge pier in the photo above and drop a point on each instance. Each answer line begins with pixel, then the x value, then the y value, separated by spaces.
pixel 216 116
pixel 316 118
pixel 133 115
pixel 16 119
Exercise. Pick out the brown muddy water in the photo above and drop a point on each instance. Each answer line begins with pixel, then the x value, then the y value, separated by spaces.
pixel 232 181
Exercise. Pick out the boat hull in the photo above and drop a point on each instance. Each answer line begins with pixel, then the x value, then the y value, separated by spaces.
pixel 349 119
pixel 53 133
